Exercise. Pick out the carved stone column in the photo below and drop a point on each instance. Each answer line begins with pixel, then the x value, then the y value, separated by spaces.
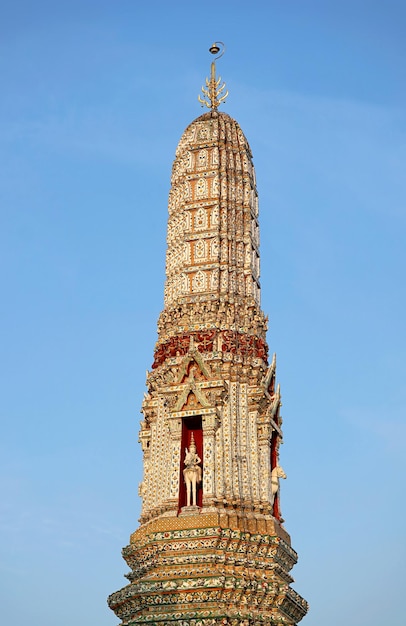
pixel 254 460
pixel 264 449
pixel 210 425
pixel 175 430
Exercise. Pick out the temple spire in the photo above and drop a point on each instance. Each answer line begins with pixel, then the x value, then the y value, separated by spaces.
pixel 211 549
pixel 213 91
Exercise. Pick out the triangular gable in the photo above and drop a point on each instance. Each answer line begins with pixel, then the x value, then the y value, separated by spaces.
pixel 276 403
pixel 191 388
pixel 270 374
pixel 184 366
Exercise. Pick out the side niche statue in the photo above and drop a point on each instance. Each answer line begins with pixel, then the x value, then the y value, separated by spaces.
pixel 192 472
pixel 276 474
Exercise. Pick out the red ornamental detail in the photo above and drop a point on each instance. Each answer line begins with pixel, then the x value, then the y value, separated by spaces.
pixel 176 346
pixel 246 345
pixel 233 342
pixel 160 355
pixel 205 341
pixel 183 344
pixel 262 349
pixel 230 341
pixel 171 347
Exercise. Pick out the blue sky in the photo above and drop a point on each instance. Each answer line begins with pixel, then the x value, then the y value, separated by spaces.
pixel 95 97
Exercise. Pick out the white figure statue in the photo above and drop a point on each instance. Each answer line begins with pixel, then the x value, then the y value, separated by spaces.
pixel 276 474
pixel 192 472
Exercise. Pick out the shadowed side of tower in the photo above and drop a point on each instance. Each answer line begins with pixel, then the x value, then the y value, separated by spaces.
pixel 211 548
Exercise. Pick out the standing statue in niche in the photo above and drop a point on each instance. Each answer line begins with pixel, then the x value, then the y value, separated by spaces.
pixel 192 472
pixel 276 474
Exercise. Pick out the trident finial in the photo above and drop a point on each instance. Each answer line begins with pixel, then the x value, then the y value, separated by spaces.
pixel 213 92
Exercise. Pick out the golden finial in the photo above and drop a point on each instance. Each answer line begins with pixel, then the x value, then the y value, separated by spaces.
pixel 213 92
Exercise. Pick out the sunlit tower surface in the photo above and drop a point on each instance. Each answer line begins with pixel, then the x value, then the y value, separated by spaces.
pixel 211 547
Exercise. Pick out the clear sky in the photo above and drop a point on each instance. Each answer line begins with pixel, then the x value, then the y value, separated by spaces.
pixel 94 98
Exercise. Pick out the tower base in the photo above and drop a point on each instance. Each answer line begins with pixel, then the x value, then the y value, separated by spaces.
pixel 208 569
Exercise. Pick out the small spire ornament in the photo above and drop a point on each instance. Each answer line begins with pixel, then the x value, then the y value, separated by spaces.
pixel 213 91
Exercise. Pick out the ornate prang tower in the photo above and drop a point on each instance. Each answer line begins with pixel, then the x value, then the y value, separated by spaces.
pixel 211 548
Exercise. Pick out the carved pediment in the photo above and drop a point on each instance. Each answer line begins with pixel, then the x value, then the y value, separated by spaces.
pixel 193 365
pixel 192 402
pixel 276 403
pixel 191 397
